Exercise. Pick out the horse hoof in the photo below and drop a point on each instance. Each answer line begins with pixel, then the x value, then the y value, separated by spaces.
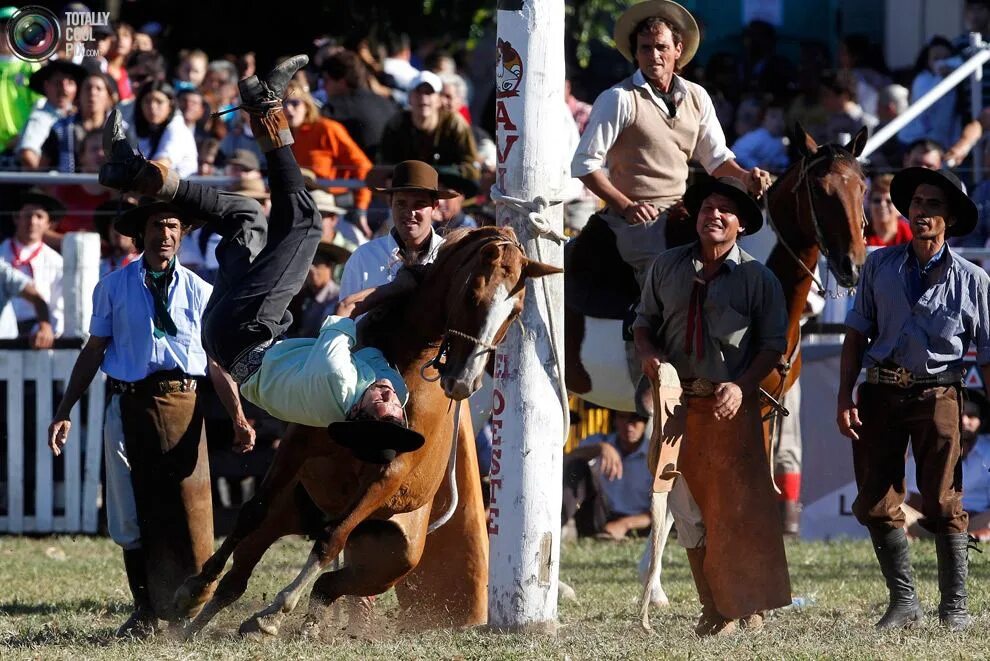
pixel 190 597
pixel 259 627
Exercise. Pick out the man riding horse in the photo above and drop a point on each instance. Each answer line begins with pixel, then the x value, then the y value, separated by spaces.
pixel 263 264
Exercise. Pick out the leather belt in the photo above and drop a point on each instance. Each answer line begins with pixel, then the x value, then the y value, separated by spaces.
pixel 697 388
pixel 902 378
pixel 151 386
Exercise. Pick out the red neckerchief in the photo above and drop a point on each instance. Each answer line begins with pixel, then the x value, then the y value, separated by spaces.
pixel 17 263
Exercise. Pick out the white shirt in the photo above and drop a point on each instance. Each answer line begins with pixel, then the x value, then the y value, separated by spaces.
pixel 45 270
pixel 177 145
pixel 613 112
pixel 400 70
pixel 376 263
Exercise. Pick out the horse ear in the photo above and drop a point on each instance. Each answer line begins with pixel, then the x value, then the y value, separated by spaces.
pixel 858 143
pixel 491 252
pixel 534 269
pixel 805 144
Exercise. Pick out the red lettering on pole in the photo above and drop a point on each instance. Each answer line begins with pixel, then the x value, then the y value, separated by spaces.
pixel 496 464
pixel 502 117
pixel 501 177
pixel 510 140
pixel 492 526
pixel 498 404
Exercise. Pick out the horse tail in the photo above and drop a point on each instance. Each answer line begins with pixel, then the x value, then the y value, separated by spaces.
pixel 659 529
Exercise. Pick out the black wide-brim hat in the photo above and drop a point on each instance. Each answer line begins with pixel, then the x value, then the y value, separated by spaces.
pixel 54 208
pixel 907 181
pixel 451 178
pixel 41 76
pixel 133 221
pixel 750 215
pixel 333 252
pixel 375 441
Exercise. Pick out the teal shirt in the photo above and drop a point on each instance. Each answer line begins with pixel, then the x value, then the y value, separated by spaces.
pixel 315 382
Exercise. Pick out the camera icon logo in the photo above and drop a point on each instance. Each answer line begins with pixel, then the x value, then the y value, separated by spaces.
pixel 33 33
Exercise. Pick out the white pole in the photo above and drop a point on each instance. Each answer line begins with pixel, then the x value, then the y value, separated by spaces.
pixel 922 104
pixel 528 426
pixel 80 273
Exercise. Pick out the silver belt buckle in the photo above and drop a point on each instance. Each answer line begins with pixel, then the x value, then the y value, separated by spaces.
pixel 904 378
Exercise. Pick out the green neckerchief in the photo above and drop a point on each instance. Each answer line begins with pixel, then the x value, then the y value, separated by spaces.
pixel 158 282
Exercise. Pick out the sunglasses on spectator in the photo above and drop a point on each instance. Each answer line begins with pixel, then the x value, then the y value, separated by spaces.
pixel 882 200
pixel 292 102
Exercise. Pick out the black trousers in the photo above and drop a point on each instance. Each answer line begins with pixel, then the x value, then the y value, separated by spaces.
pixel 263 261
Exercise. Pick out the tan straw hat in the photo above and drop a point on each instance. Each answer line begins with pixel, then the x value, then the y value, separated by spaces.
pixel 678 16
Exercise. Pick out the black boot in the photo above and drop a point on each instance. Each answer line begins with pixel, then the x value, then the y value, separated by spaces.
pixel 904 611
pixel 953 567
pixel 142 623
pixel 126 170
pixel 262 98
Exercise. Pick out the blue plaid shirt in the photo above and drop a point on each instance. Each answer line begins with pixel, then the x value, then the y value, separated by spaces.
pixel 931 334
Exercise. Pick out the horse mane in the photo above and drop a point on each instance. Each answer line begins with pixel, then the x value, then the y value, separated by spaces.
pixel 378 328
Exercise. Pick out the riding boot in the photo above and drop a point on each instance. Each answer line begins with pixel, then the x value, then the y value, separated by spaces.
pixel 953 567
pixel 711 622
pixel 262 98
pixel 127 170
pixel 143 622
pixel 904 609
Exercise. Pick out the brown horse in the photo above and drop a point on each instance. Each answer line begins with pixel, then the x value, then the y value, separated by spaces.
pixel 381 514
pixel 816 209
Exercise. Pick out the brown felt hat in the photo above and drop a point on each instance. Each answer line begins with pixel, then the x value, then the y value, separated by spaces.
pixel 678 16
pixel 417 176
pixel 132 222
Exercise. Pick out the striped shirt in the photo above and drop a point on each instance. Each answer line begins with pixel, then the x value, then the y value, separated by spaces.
pixel 933 334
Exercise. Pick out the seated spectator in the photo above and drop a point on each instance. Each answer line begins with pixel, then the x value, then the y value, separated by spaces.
pixel 939 122
pixel 16 285
pixel 607 482
pixel 323 145
pixel 144 40
pixel 858 56
pixel 845 116
pixel 396 64
pixel 194 113
pixel 749 115
pixel 209 151
pixel 453 98
pixel 975 462
pixel 118 250
pixel 449 214
pixel 81 200
pixel 244 165
pixel 120 50
pixel 892 100
pixel 62 149
pixel 580 110
pixel 16 98
pixel 351 102
pixel 886 227
pixel 924 153
pixel 27 253
pixel 220 88
pixel 335 232
pixel 59 82
pixel 319 297
pixel 764 147
pixel 191 70
pixel 428 133
pixel 162 134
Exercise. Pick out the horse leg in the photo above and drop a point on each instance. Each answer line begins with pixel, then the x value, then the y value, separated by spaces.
pixel 281 475
pixel 325 550
pixel 379 554
pixel 283 520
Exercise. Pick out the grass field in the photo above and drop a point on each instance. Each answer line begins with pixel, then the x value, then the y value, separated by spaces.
pixel 63 597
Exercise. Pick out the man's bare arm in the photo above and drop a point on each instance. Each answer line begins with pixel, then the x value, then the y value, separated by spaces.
pixel 88 362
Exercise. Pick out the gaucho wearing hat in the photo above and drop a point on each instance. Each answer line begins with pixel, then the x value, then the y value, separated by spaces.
pixel 718 317
pixel 919 307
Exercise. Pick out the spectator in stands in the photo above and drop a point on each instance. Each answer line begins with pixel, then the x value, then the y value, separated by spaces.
pixel 244 165
pixel 939 122
pixel 351 102
pixel 323 145
pixel 976 18
pixel 62 149
pixel 59 82
pixel 453 98
pixel 319 298
pixel 607 482
pixel 749 115
pixel 144 42
pixel 119 249
pixel 887 227
pixel 807 108
pixel 81 200
pixel 924 153
pixel 764 146
pixel 194 112
pixel 450 214
pixel 892 100
pixel 27 253
pixel 161 132
pixel 120 50
pixel 845 116
pixel 396 62
pixel 16 285
pixel 219 87
pixel 16 97
pixel 332 227
pixel 191 70
pixel 580 110
pixel 209 150
pixel 428 133
pixel 763 68
pixel 858 56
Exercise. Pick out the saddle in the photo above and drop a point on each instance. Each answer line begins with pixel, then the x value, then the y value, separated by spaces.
pixel 597 282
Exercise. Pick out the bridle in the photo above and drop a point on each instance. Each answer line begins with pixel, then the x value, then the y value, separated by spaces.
pixel 831 153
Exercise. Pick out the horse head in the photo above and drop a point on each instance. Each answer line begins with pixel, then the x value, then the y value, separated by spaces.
pixel 824 192
pixel 487 270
